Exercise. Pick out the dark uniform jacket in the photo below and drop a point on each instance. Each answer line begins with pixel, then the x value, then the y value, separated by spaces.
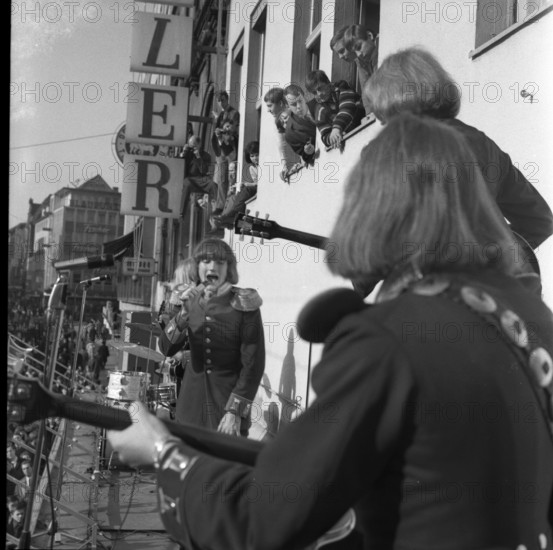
pixel 227 349
pixel 425 421
pixel 299 131
pixel 519 201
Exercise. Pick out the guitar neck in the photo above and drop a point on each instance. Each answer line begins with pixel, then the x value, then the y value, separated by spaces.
pixel 301 237
pixel 238 449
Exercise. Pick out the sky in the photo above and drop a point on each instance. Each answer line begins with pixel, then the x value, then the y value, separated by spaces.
pixel 69 71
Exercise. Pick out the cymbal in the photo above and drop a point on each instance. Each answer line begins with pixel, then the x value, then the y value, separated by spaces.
pixel 154 329
pixel 137 349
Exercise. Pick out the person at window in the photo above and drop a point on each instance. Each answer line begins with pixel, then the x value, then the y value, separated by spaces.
pixel 197 167
pixel 227 347
pixel 276 104
pixel 224 142
pixel 433 92
pixel 226 113
pixel 364 45
pixel 225 148
pixel 390 445
pixel 236 202
pixel 337 110
pixel 338 46
pixel 300 130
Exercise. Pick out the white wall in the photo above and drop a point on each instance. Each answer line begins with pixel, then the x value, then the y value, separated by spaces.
pixel 491 85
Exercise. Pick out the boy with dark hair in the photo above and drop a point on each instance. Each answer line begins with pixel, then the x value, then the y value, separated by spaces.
pixel 15 523
pixel 338 108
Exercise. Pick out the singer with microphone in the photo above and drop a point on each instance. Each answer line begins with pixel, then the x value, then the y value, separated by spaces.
pixel 222 326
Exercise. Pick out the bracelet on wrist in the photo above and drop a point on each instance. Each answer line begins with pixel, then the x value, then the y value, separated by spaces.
pixel 162 448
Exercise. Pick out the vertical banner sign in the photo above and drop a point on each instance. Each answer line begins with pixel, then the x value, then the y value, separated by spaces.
pixel 157 114
pixel 162 44
pixel 152 186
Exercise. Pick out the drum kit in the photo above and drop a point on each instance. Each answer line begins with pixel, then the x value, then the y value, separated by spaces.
pixel 126 387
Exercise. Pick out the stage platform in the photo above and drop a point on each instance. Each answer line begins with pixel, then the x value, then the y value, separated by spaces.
pixel 118 509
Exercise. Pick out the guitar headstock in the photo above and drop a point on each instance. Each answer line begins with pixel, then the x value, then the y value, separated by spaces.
pixel 28 400
pixel 254 226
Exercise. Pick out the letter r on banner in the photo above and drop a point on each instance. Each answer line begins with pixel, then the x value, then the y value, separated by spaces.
pixel 152 186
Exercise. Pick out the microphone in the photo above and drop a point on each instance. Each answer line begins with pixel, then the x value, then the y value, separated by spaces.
pixel 321 314
pixel 96 279
pixel 87 262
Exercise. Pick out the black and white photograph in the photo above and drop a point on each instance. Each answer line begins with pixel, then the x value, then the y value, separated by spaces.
pixel 280 275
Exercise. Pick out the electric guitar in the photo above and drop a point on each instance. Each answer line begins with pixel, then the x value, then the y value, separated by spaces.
pixel 263 228
pixel 252 226
pixel 29 400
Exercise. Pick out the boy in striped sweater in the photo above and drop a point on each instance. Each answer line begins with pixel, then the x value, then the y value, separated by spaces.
pixel 337 110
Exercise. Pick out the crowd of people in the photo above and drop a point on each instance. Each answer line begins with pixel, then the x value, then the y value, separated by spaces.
pixel 20 457
pixel 335 109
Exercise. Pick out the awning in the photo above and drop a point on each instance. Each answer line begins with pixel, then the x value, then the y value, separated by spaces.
pixel 118 246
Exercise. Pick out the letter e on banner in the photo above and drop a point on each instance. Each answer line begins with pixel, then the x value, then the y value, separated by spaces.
pixel 152 186
pixel 162 44
pixel 157 114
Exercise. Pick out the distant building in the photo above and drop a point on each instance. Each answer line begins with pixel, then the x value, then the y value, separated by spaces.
pixel 69 224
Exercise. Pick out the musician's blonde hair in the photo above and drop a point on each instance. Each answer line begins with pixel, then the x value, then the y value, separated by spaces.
pixel 416 194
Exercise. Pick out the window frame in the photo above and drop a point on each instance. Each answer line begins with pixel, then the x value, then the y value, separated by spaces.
pixel 510 30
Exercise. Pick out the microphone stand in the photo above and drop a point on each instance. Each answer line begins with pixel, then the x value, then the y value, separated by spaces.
pixel 57 301
pixel 73 373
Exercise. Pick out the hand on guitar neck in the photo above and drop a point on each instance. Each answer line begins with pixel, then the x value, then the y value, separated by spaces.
pixel 29 400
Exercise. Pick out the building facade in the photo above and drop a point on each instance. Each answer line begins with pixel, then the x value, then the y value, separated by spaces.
pixel 72 223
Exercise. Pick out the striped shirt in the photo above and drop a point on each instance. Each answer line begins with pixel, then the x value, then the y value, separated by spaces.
pixel 342 110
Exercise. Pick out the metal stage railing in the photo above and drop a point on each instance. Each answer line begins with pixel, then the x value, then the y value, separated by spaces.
pixel 26 359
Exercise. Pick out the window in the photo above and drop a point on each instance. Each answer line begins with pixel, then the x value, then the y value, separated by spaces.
pixel 495 17
pixel 307 39
pixel 254 89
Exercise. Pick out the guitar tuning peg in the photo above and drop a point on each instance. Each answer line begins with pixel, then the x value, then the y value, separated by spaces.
pixel 241 238
pixel 262 241
pixel 266 216
pixel 257 214
pixel 251 239
pixel 247 211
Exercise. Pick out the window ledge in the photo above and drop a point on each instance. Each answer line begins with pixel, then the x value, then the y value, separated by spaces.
pixel 496 40
pixel 369 120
